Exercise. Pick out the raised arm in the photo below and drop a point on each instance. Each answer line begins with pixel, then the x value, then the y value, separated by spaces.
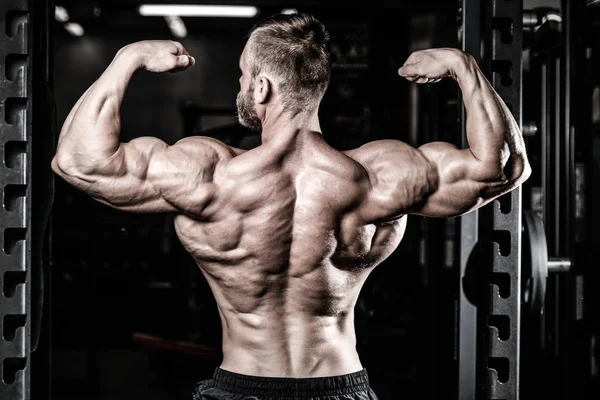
pixel 145 174
pixel 438 179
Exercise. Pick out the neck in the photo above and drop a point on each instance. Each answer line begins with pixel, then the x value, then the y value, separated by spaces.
pixel 278 125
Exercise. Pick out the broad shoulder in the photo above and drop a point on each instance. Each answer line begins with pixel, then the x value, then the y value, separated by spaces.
pixel 376 156
pixel 370 151
pixel 205 146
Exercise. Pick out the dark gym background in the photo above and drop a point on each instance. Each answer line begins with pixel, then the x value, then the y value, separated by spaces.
pixel 132 317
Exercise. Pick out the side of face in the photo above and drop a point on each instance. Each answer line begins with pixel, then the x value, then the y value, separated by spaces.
pixel 245 102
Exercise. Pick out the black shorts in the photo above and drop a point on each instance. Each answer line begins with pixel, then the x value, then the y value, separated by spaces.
pixel 226 385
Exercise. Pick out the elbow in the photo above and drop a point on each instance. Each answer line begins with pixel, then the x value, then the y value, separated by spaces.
pixel 526 172
pixel 520 169
pixel 61 165
pixel 55 167
pixel 514 175
pixel 67 167
pixel 516 171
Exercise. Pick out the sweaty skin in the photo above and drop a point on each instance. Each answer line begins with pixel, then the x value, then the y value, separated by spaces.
pixel 287 233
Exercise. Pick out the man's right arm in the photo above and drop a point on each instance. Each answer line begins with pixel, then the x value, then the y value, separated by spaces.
pixel 438 179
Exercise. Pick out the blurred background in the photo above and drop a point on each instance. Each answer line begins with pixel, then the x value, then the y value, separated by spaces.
pixel 131 315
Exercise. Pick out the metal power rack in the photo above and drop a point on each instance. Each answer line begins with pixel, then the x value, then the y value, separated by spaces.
pixel 15 218
pixel 488 322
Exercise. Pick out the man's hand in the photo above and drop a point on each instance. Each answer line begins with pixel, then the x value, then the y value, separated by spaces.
pixel 160 55
pixel 432 65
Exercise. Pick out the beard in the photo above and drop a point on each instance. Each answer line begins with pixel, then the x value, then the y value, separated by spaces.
pixel 247 116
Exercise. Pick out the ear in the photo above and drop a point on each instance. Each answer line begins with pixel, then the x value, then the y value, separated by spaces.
pixel 262 89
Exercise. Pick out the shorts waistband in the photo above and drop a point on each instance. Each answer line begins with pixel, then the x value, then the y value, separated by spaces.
pixel 291 387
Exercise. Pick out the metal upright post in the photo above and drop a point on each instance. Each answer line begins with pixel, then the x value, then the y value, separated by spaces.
pixel 15 179
pixel 466 313
pixel 500 221
pixel 43 146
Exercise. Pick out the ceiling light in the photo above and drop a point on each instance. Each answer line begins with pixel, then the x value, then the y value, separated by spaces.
pixel 74 28
pixel 176 26
pixel 196 10
pixel 289 11
pixel 61 14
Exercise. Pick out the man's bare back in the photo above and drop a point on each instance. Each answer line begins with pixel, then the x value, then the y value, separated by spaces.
pixel 286 255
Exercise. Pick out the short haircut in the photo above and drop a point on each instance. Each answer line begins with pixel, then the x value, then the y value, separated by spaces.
pixel 294 49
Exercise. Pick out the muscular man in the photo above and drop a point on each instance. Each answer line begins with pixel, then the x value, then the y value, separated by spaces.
pixel 287 233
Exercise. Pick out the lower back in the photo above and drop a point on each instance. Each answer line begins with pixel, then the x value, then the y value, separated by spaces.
pixel 298 345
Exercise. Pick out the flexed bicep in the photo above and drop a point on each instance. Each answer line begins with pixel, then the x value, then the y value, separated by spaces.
pixel 146 175
pixel 125 181
pixel 434 180
pixel 464 183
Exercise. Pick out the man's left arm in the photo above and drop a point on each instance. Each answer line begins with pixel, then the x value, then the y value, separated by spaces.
pixel 145 174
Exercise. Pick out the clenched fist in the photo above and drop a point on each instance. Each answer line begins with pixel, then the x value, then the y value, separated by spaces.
pixel 160 55
pixel 432 65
